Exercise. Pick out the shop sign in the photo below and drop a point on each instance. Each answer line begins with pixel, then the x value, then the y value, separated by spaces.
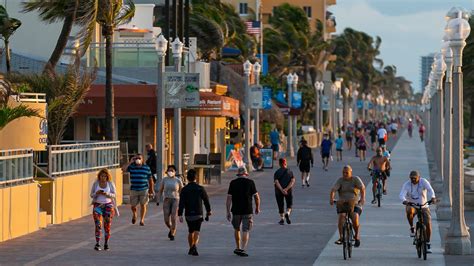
pixel 267 98
pixel 325 105
pixel 256 97
pixel 181 89
pixel 297 100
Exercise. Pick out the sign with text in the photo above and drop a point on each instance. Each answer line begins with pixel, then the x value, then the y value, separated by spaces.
pixel 325 104
pixel 267 156
pixel 181 89
pixel 267 98
pixel 256 97
pixel 297 100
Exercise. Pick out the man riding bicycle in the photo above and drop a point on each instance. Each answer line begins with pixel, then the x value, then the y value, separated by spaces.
pixel 349 189
pixel 379 165
pixel 417 190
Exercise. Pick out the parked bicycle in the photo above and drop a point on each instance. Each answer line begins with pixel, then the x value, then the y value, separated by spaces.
pixel 347 232
pixel 420 240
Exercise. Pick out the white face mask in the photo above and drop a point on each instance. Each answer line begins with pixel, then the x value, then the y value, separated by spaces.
pixel 171 173
pixel 138 161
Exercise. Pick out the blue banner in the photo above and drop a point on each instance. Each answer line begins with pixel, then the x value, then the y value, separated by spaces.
pixel 360 104
pixel 267 98
pixel 325 104
pixel 371 105
pixel 297 100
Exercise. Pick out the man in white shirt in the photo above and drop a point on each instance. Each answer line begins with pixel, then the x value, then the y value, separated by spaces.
pixel 418 190
pixel 381 133
pixel 394 128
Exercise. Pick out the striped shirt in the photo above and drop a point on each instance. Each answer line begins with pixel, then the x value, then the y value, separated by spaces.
pixel 139 177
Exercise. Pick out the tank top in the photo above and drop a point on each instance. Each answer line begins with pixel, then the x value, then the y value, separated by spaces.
pixel 102 199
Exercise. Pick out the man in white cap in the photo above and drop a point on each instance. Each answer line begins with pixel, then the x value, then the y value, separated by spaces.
pixel 239 197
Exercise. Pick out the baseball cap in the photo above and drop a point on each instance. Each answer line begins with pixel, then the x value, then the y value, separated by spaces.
pixel 242 172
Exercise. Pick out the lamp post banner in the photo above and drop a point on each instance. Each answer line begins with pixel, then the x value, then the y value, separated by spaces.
pixel 267 98
pixel 297 100
pixel 325 104
pixel 339 103
pixel 181 89
pixel 360 104
pixel 256 97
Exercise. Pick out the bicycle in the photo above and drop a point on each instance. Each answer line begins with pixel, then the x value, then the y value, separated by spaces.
pixel 377 177
pixel 347 233
pixel 420 240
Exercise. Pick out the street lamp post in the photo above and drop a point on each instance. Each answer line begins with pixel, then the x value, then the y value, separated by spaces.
pixel 346 105
pixel 458 240
pixel 440 70
pixel 295 122
pixel 363 106
pixel 334 110
pixel 319 111
pixel 247 68
pixel 161 45
pixel 289 144
pixel 177 49
pixel 256 71
pixel 355 94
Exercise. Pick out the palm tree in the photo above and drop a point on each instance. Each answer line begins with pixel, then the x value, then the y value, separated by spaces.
pixel 64 92
pixel 8 26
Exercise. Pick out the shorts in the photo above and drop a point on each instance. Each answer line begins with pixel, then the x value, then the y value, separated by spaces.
pixel 280 198
pixel 344 206
pixel 373 139
pixel 138 197
pixel 362 148
pixel 275 147
pixel 194 225
pixel 304 166
pixel 325 155
pixel 426 214
pixel 381 142
pixel 349 139
pixel 394 131
pixel 338 149
pixel 374 177
pixel 245 221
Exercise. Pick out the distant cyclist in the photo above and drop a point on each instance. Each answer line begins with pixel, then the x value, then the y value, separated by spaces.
pixel 351 192
pixel 410 128
pixel 418 190
pixel 378 164
pixel 421 131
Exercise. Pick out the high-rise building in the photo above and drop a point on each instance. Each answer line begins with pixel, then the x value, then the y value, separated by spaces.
pixel 426 62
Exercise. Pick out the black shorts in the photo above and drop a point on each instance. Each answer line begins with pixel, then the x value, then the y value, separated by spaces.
pixel 304 166
pixel 394 131
pixel 362 148
pixel 373 139
pixel 325 155
pixel 381 142
pixel 339 150
pixel 275 147
pixel 194 226
pixel 349 139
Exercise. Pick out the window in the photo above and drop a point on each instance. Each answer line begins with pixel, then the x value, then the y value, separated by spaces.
pixel 307 10
pixel 128 132
pixel 96 129
pixel 243 8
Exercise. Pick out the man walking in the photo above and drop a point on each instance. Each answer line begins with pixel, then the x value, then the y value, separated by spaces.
pixel 141 186
pixel 382 135
pixel 151 162
pixel 284 181
pixel 275 140
pixel 239 197
pixel 192 197
pixel 326 145
pixel 304 158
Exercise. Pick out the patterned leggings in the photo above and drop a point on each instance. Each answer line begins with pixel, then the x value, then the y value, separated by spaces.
pixel 105 212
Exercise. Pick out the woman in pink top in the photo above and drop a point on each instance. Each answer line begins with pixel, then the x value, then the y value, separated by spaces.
pixel 104 206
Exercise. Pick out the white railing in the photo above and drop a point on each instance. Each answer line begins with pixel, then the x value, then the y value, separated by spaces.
pixel 16 166
pixel 77 158
pixel 32 97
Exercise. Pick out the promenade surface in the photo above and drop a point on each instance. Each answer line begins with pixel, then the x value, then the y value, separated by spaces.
pixel 307 241
pixel 385 231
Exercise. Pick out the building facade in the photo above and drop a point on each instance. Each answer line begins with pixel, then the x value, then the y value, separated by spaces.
pixel 426 62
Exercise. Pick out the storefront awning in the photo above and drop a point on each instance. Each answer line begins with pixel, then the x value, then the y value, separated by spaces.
pixel 138 100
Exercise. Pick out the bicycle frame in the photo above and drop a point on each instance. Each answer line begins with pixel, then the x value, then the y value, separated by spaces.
pixel 420 240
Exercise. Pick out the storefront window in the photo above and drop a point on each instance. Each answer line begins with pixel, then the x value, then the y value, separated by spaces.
pixel 128 132
pixel 97 129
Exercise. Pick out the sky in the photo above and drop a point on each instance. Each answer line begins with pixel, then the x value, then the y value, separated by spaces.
pixel 409 28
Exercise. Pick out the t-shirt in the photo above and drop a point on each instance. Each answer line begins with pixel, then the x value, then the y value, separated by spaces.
pixel 242 190
pixel 326 146
pixel 381 133
pixel 139 176
pixel 394 126
pixel 171 187
pixel 275 137
pixel 339 143
pixel 284 176
pixel 348 189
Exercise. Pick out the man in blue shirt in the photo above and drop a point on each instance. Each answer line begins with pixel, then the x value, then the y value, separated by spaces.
pixel 275 140
pixel 141 186
pixel 339 144
pixel 326 145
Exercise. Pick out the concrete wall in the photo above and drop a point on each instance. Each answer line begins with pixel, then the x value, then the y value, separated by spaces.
pixel 19 210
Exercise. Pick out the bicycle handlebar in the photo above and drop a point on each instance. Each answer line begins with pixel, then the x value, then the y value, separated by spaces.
pixel 419 205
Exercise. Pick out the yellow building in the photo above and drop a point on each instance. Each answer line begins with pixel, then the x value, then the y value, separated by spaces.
pixel 315 9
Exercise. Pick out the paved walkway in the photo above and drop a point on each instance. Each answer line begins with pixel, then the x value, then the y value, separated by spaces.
pixel 384 233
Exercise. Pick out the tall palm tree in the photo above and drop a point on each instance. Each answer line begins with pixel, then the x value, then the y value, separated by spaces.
pixel 8 26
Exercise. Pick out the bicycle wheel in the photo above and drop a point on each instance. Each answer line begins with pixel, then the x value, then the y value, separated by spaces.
pixel 418 240
pixel 349 240
pixel 344 243
pixel 423 243
pixel 379 194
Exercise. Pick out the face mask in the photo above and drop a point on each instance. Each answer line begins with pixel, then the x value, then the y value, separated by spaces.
pixel 170 173
pixel 138 161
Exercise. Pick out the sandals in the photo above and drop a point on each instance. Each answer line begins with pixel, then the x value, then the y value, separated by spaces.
pixel 338 242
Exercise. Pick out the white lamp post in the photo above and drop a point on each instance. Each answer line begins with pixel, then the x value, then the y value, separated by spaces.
pixel 161 45
pixel 458 240
pixel 289 142
pixel 369 100
pixel 319 110
pixel 256 71
pixel 355 94
pixel 334 110
pixel 439 74
pixel 346 105
pixel 295 122
pixel 177 48
pixel 247 69
pixel 363 106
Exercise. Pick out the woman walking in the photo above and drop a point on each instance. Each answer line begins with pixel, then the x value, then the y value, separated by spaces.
pixel 171 187
pixel 362 146
pixel 104 206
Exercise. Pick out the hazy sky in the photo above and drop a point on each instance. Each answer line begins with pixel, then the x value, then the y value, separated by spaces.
pixel 408 28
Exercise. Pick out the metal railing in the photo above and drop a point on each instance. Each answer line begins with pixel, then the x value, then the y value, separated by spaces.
pixel 78 158
pixel 32 97
pixel 16 166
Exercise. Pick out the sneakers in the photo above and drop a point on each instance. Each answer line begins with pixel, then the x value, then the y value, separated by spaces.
pixel 373 201
pixel 307 183
pixel 97 247
pixel 338 242
pixel 428 247
pixel 193 251
pixel 106 247
pixel 170 236
pixel 412 232
pixel 287 218
pixel 240 252
pixel 281 222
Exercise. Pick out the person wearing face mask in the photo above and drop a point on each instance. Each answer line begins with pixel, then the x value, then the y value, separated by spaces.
pixel 171 187
pixel 379 164
pixel 418 190
pixel 141 186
